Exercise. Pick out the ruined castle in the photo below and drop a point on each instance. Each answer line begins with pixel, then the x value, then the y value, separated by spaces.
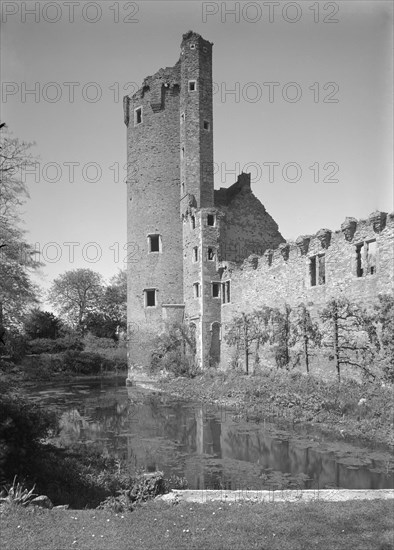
pixel 199 255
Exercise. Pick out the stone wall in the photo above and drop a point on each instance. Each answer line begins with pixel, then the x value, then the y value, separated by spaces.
pixel 153 208
pixel 283 275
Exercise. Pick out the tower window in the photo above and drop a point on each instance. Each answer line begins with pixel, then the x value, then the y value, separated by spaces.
pixel 210 219
pixel 150 297
pixel 192 85
pixel 226 292
pixel 207 126
pixel 183 187
pixel 215 290
pixel 182 118
pixel 196 290
pixel 205 49
pixel 193 222
pixel 211 254
pixel 154 242
pixel 195 254
pixel 192 46
pixel 137 116
pixel 182 153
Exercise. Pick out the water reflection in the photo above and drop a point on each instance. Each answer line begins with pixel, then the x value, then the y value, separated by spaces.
pixel 211 449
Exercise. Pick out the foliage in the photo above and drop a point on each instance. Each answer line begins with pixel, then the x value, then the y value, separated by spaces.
pixel 16 345
pixel 17 291
pixel 47 345
pixel 18 494
pixel 75 294
pixel 307 333
pixel 384 315
pixel 84 362
pixel 248 329
pixel 42 324
pixel 175 351
pixel 22 425
pixel 347 331
pixel 112 315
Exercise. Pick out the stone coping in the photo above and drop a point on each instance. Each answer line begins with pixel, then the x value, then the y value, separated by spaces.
pixel 307 495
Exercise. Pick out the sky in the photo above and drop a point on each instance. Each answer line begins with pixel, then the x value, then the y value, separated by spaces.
pixel 303 101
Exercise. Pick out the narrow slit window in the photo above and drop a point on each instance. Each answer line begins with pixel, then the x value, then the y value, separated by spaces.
pixel 210 219
pixel 150 298
pixel 193 222
pixel 192 85
pixel 183 187
pixel 312 270
pixel 322 269
pixel 195 254
pixel 215 290
pixel 207 125
pixel 154 243
pixel 211 254
pixel 182 153
pixel 182 118
pixel 196 290
pixel 137 116
pixel 317 270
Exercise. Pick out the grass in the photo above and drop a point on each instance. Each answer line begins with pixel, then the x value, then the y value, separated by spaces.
pixel 358 525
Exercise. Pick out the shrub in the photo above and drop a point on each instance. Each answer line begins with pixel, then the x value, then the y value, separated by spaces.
pixel 47 345
pixel 22 425
pixel 84 362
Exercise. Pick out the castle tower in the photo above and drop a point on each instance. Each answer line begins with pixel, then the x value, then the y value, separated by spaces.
pixel 170 168
pixel 154 230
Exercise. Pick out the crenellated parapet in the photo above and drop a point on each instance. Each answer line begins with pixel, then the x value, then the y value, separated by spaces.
pixel 352 232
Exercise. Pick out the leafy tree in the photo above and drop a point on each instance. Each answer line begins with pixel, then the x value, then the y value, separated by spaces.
pixel 112 315
pixel 17 292
pixel 75 294
pixel 42 324
pixel 347 330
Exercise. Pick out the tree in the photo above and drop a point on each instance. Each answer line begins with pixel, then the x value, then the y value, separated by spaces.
pixel 307 332
pixel 282 337
pixel 347 330
pixel 248 329
pixel 42 324
pixel 75 295
pixel 17 259
pixel 383 337
pixel 112 314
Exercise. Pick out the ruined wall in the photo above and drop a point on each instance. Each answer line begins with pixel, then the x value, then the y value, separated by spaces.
pixel 246 226
pixel 284 275
pixel 153 207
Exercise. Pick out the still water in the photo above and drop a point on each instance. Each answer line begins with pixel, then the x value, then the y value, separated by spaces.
pixel 208 446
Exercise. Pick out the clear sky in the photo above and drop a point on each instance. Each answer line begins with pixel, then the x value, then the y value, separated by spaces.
pixel 312 86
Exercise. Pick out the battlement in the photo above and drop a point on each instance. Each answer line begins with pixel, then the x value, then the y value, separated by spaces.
pixel 352 231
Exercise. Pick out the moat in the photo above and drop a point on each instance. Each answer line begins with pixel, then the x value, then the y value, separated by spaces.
pixel 211 448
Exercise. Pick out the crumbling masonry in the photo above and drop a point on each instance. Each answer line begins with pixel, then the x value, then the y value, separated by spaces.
pixel 198 255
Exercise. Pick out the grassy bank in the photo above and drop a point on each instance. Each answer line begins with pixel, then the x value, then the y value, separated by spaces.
pixel 332 526
pixel 348 410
